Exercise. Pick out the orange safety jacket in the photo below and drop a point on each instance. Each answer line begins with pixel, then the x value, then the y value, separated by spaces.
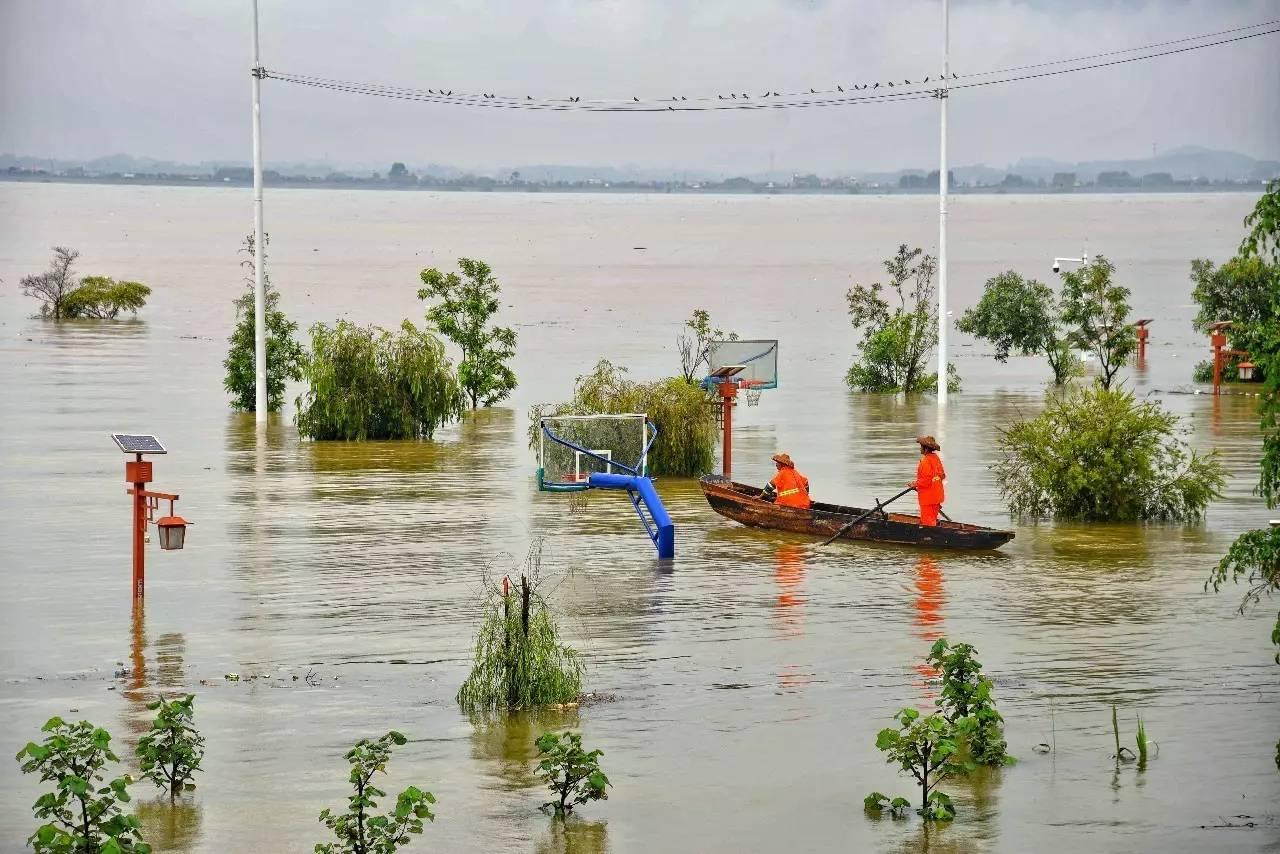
pixel 929 478
pixel 792 487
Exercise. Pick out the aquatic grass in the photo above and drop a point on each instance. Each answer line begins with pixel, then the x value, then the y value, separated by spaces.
pixel 682 411
pixel 1142 745
pixel 520 662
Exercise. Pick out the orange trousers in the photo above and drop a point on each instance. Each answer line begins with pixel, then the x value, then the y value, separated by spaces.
pixel 929 514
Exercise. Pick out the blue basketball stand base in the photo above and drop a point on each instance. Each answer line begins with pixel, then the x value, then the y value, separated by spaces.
pixel 657 522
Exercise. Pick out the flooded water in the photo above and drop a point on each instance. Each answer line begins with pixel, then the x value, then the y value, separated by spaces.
pixel 751 675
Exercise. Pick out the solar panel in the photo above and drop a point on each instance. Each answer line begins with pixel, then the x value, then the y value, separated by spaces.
pixel 138 443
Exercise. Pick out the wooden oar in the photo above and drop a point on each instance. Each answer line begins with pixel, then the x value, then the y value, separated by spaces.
pixel 846 526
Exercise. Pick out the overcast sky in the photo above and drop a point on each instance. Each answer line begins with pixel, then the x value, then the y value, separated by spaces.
pixel 169 79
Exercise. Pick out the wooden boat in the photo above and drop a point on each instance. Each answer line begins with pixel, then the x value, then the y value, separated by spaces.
pixel 746 504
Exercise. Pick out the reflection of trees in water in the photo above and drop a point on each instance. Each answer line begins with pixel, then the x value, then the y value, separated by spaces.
pixel 166 826
pixel 170 826
pixel 574 835
pixel 503 743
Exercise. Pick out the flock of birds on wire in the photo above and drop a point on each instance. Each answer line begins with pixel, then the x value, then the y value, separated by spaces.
pixel 930 86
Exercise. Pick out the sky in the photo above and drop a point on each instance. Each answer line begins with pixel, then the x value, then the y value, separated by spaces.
pixel 169 79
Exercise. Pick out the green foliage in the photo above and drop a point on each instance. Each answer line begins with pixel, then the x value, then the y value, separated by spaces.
pixel 1263 223
pixel 1022 316
pixel 1097 312
pixel 878 802
pixel 520 662
pixel 897 339
pixel 926 748
pixel 169 755
pixel 53 287
pixel 1099 455
pixel 102 298
pixel 1254 558
pixel 285 355
pixel 81 817
pixel 361 831
pixel 966 692
pixel 694 345
pixel 1142 744
pixel 462 316
pixel 1244 291
pixel 368 383
pixel 572 774
pixel 687 432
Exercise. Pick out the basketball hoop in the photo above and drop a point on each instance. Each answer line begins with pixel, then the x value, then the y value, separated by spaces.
pixel 578 501
pixel 753 396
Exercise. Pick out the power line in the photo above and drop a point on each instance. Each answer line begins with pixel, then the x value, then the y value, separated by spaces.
pixel 866 93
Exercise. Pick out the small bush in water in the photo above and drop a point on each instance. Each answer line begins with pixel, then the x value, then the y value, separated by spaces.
pixel 925 748
pixel 520 662
pixel 169 755
pixel 1099 455
pixel 967 692
pixel 572 774
pixel 359 830
pixel 79 814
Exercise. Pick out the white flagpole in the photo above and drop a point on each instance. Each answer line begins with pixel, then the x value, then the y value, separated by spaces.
pixel 942 212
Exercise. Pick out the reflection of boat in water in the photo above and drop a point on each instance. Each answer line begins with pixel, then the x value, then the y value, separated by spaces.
pixel 746 504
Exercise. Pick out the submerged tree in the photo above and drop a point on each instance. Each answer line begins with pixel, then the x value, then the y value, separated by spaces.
pixel 897 339
pixel 520 662
pixel 572 774
pixel 367 383
pixel 466 306
pixel 1097 312
pixel 925 747
pixel 687 431
pixel 103 298
pixel 694 344
pixel 1022 315
pixel 170 754
pixel 967 692
pixel 53 287
pixel 1099 455
pixel 284 353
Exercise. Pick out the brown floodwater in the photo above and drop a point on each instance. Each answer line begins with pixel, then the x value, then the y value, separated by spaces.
pixel 751 674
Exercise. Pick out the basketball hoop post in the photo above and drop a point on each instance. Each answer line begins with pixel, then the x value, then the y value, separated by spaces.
pixel 728 391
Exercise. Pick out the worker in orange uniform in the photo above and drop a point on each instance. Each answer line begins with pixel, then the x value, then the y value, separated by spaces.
pixel 788 488
pixel 930 475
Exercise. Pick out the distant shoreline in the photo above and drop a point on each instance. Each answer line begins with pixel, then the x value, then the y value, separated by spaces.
pixel 656 188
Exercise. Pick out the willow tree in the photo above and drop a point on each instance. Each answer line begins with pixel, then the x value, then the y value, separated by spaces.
pixel 520 661
pixel 365 382
pixel 683 414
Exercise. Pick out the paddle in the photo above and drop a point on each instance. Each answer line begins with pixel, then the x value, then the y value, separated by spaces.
pixel 847 525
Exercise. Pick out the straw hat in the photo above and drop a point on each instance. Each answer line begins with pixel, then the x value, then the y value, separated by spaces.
pixel 784 460
pixel 929 442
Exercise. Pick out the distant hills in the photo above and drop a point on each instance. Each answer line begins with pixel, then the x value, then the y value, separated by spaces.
pixel 1182 164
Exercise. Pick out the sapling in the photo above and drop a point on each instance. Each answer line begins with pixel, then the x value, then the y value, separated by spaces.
pixel 169 755
pixel 925 747
pixel 80 816
pixel 878 802
pixel 359 830
pixel 966 692
pixel 572 774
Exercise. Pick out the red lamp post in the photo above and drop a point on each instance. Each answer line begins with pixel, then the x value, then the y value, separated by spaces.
pixel 1143 334
pixel 172 529
pixel 1218 340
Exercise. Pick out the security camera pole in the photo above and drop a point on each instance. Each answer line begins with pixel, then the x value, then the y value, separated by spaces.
pixel 1082 260
pixel 941 94
pixel 259 246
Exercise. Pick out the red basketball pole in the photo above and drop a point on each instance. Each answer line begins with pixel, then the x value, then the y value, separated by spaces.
pixel 728 391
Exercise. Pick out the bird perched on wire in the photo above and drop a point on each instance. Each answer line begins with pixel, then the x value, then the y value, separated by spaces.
pixel 634 98
pixel 841 88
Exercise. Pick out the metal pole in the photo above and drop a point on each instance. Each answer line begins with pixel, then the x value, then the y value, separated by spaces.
pixel 728 391
pixel 141 476
pixel 942 211
pixel 259 245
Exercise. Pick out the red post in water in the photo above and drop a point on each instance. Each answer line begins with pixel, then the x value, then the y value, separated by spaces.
pixel 1219 340
pixel 1143 334
pixel 728 391
pixel 139 474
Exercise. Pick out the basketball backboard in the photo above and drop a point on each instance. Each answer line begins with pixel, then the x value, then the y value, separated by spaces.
pixel 758 359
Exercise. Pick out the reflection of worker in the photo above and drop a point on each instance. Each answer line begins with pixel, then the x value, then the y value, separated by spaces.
pixel 788 488
pixel 929 479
